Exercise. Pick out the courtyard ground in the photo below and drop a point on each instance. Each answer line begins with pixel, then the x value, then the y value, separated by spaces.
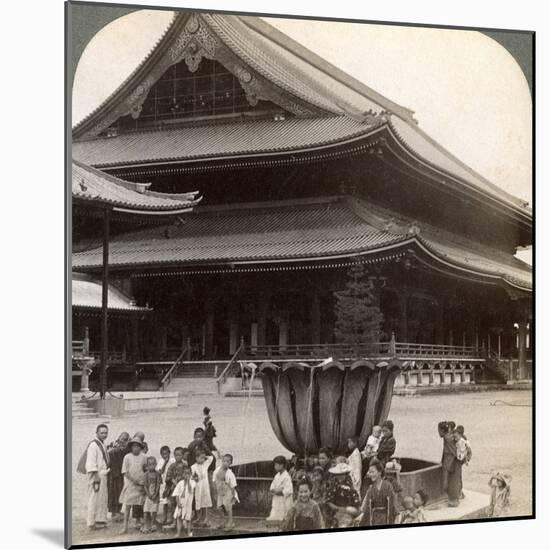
pixel 498 425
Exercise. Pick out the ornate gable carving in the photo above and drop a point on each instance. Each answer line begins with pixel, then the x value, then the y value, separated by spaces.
pixel 195 42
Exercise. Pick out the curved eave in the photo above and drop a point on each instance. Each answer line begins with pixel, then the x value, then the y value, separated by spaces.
pixel 420 164
pixel 349 145
pixel 134 210
pixel 244 155
pixel 415 245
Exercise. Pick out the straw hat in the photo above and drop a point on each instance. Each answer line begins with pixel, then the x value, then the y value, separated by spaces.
pixel 135 441
pixel 340 468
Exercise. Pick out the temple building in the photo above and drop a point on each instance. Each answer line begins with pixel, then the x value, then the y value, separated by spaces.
pixel 304 172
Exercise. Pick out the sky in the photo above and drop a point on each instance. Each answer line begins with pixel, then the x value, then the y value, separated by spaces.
pixel 467 91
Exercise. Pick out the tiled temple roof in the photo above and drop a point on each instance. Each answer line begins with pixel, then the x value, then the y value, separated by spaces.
pixel 339 101
pixel 87 292
pixel 94 187
pixel 218 140
pixel 296 231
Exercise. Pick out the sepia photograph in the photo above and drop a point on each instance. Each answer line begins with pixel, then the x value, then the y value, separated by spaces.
pixel 301 285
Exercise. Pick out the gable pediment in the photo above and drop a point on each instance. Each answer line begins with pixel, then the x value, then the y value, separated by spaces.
pixel 190 39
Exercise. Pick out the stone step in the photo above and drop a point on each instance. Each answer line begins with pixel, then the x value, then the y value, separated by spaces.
pixel 85 414
pixel 80 406
pixel 194 386
pixel 244 393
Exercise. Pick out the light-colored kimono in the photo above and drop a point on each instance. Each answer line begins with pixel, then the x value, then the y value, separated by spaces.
pixel 202 490
pixel 185 490
pixel 355 463
pixel 281 504
pixel 97 501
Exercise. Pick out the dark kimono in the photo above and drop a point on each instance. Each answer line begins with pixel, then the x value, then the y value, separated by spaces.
pixel 209 434
pixel 341 494
pixel 386 449
pixel 452 469
pixel 115 479
pixel 379 506
pixel 303 517
pixel 194 447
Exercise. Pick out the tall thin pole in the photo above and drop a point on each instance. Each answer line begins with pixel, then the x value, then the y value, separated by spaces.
pixel 104 306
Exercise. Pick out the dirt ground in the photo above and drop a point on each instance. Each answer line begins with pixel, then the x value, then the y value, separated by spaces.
pixel 498 426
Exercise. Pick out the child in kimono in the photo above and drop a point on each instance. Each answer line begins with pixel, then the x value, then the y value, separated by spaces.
pixel 133 467
pixel 115 480
pixel 162 468
pixel 282 490
pixel 209 430
pixel 407 514
pixel 500 495
pixel 153 480
pixel 203 499
pixel 226 489
pixel 184 494
pixel 173 475
pixel 355 463
pixel 137 511
pixel 305 513
pixel 371 448
pixel 309 464
pixel 387 444
pixel 318 485
pixel 420 500
pixel 466 448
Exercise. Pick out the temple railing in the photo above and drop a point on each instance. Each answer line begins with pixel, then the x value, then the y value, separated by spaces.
pixel 233 361
pixel 377 349
pixel 167 378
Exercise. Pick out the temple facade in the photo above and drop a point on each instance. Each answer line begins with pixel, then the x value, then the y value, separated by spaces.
pixel 304 172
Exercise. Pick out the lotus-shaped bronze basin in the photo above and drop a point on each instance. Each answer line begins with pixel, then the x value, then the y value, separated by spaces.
pixel 310 407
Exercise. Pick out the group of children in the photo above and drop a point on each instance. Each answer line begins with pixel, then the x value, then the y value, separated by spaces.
pixel 172 491
pixel 322 490
pixel 325 490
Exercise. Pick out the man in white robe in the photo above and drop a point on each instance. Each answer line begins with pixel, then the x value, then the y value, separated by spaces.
pixel 97 468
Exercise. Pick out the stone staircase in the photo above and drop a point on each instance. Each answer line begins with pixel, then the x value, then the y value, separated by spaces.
pixel 202 369
pixel 81 410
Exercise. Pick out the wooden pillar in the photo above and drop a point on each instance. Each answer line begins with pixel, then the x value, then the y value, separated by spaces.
pixel 135 338
pixel 439 325
pixel 263 308
pixel 283 332
pixel 104 306
pixel 209 330
pixel 403 325
pixel 253 337
pixel 233 336
pixel 315 317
